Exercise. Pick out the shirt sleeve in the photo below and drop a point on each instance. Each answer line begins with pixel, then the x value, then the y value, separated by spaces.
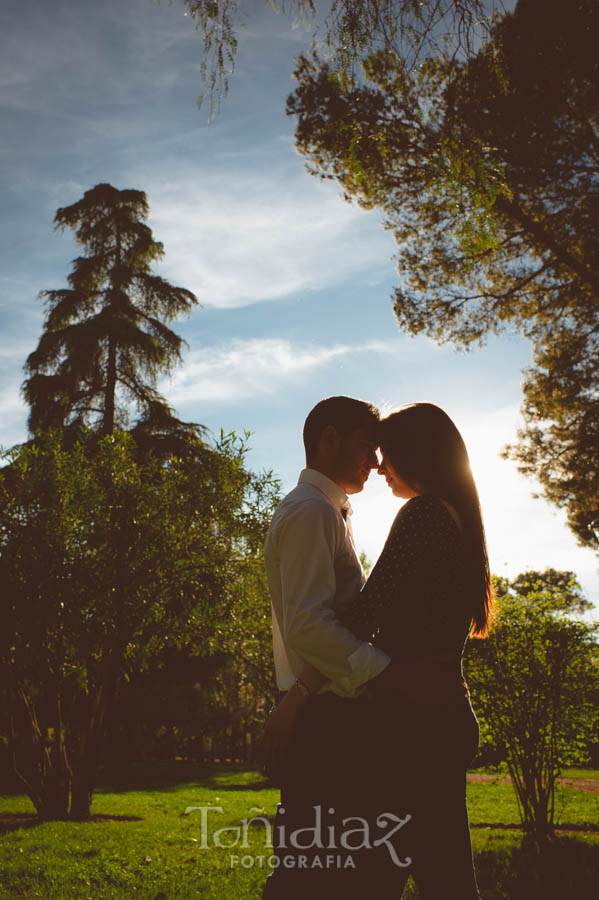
pixel 310 626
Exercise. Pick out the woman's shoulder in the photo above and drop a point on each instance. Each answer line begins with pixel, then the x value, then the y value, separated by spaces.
pixel 423 505
pixel 429 512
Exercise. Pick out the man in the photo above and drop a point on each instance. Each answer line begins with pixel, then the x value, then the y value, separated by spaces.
pixel 312 569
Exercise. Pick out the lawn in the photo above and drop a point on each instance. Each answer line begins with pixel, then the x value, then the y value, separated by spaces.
pixel 142 844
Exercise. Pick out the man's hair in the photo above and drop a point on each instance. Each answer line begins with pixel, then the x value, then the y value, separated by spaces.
pixel 344 413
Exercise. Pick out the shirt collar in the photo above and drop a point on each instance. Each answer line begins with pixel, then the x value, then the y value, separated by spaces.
pixel 337 497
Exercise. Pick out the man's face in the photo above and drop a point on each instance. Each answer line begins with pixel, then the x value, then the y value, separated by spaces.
pixel 355 460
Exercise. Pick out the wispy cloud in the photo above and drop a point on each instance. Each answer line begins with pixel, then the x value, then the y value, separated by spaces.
pixel 45 52
pixel 115 89
pixel 244 238
pixel 251 368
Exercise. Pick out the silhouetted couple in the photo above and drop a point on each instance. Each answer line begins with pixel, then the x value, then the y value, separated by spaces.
pixel 374 731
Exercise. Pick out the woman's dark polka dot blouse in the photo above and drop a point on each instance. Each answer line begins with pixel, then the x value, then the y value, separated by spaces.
pixel 414 601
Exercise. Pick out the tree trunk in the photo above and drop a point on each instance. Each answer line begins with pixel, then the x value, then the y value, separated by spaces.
pixel 110 391
pixel 535 803
pixel 81 794
pixel 39 762
pixel 91 747
pixel 109 397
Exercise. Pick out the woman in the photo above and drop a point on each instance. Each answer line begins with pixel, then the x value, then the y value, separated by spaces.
pixel 429 589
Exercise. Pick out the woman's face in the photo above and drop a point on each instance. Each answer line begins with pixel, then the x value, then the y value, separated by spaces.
pixel 399 487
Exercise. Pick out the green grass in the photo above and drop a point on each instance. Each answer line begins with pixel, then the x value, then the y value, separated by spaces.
pixel 146 848
pixel 592 774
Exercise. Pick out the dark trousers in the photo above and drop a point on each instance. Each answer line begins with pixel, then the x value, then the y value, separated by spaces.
pixel 434 748
pixel 366 789
pixel 321 785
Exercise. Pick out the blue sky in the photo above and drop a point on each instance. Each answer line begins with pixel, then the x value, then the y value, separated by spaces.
pixel 294 283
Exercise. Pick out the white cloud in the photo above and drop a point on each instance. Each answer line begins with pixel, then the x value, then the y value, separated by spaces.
pixel 250 368
pixel 242 238
pixel 39 60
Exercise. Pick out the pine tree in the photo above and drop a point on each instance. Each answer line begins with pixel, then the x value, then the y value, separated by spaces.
pixel 105 339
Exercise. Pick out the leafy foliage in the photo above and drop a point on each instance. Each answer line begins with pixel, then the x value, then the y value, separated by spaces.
pixel 560 588
pixel 350 30
pixel 105 339
pixel 119 551
pixel 487 173
pixel 535 684
pixel 105 562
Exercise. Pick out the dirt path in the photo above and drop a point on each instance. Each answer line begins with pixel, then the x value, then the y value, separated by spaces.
pixel 579 784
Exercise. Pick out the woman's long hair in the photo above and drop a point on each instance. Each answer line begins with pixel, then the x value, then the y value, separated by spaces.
pixel 428 452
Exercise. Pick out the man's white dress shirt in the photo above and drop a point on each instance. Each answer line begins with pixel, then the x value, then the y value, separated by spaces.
pixel 313 569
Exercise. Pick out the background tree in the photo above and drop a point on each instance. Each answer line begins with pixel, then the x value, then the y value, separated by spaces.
pixel 487 173
pixel 106 562
pixel 105 339
pixel 535 684
pixel 117 561
pixel 560 587
pixel 210 700
pixel 349 30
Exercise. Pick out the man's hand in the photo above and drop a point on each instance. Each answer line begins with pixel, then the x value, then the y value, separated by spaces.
pixel 279 729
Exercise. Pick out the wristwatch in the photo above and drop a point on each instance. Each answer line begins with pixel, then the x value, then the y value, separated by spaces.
pixel 302 687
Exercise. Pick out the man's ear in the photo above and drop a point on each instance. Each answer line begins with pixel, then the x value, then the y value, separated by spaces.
pixel 330 439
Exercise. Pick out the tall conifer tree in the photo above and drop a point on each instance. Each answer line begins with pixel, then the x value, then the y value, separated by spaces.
pixel 105 336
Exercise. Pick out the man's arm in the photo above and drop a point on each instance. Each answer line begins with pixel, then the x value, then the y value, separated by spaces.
pixel 309 626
